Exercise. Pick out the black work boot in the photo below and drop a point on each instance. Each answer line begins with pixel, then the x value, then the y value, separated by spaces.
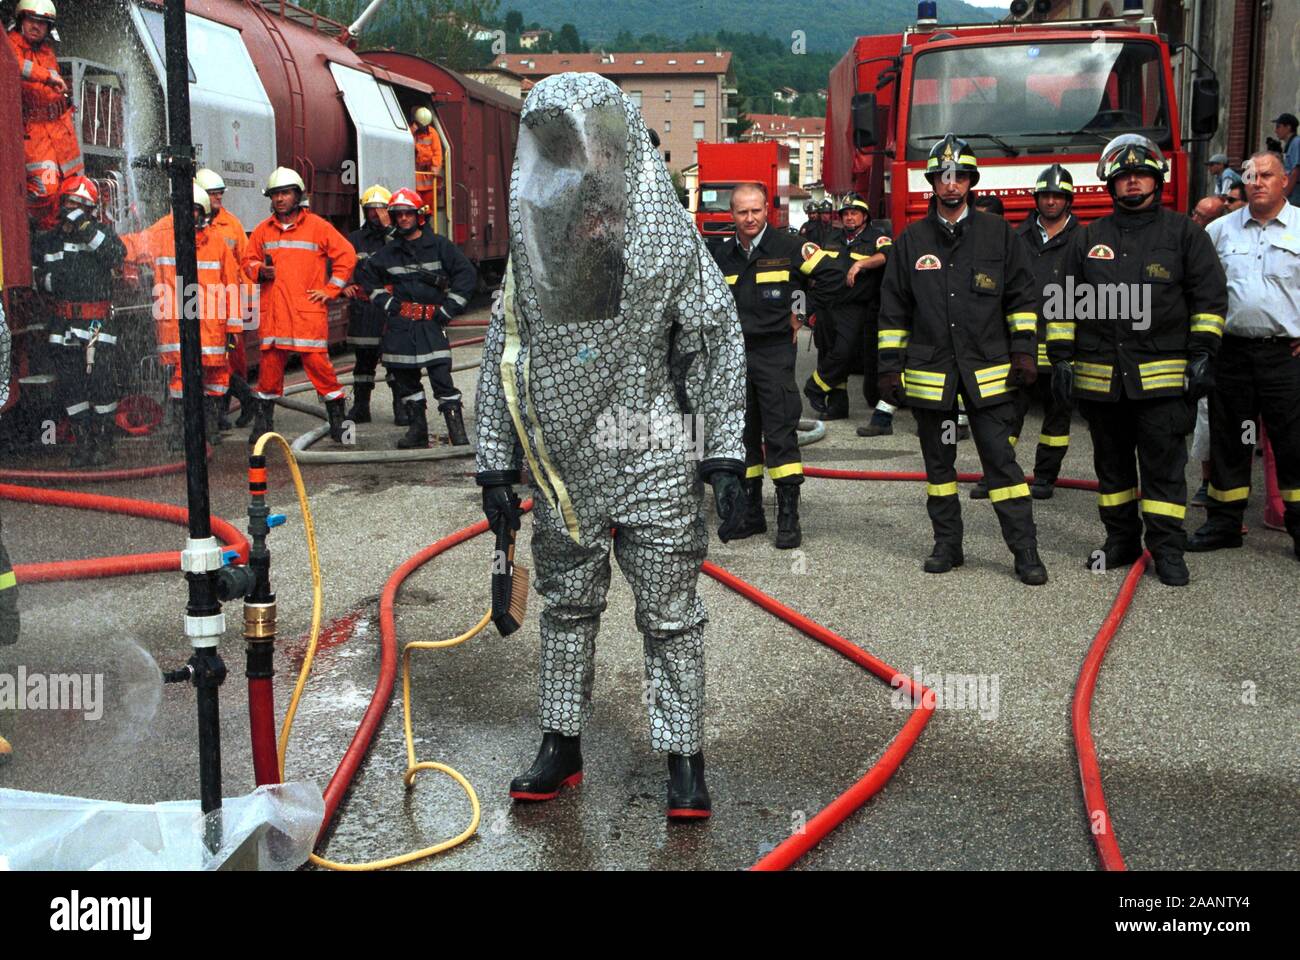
pixel 264 422
pixel 1042 488
pixel 944 557
pixel 1212 536
pixel 837 405
pixel 83 439
pixel 455 417
pixel 223 413
pixel 816 397
pixel 881 425
pixel 688 796
pixel 788 534
pixel 401 414
pixel 417 430
pixel 359 412
pixel 1113 555
pixel 242 392
pixel 558 764
pixel 1029 568
pixel 1172 570
pixel 334 413
pixel 755 519
pixel 101 445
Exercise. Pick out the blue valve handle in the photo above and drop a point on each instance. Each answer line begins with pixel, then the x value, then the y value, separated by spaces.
pixel 275 520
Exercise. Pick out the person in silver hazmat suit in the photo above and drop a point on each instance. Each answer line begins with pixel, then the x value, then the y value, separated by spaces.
pixel 614 366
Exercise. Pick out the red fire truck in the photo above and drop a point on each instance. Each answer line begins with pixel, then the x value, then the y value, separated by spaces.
pixel 1024 94
pixel 725 165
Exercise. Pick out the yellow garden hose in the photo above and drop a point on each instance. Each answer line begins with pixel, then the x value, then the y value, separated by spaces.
pixel 413 766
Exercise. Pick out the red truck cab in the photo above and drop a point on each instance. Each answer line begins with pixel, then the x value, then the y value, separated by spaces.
pixel 723 166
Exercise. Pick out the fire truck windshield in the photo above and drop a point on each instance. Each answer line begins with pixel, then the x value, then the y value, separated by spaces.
pixel 1044 98
pixel 716 198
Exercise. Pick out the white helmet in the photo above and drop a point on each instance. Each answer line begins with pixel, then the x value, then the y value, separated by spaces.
pixel 37 10
pixel 202 200
pixel 423 116
pixel 282 177
pixel 209 180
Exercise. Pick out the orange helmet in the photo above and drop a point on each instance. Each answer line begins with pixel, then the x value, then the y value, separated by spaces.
pixel 407 199
pixel 81 190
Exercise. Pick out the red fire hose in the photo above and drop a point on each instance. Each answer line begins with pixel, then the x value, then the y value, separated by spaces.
pixel 261 724
pixel 96 476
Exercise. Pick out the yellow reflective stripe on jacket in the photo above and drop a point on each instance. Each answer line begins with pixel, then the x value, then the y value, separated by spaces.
pixel 1229 496
pixel 731 280
pixel 1022 322
pixel 8 580
pixel 1207 323
pixel 998 494
pixel 941 489
pixel 1161 508
pixel 893 339
pixel 785 470
pixel 1060 331
pixel 925 377
pixel 773 276
pixel 1117 499
pixel 810 264
pixel 993 373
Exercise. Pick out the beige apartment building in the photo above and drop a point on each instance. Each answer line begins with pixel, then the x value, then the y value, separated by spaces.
pixel 805 136
pixel 685 97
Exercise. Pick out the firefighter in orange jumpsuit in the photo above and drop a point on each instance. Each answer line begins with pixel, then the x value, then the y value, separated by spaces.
pixel 287 254
pixel 227 226
pixel 49 136
pixel 428 156
pixel 218 302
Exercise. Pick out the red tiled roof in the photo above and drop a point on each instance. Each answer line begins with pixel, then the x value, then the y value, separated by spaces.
pixel 773 124
pixel 545 64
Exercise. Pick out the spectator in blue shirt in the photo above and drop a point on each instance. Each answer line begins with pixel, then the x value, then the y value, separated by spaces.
pixel 1285 127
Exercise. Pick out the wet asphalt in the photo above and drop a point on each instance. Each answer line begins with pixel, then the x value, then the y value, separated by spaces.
pixel 1195 716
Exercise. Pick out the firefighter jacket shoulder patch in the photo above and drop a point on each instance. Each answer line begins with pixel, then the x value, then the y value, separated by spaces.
pixel 1101 252
pixel 883 241
pixel 929 262
pixel 810 250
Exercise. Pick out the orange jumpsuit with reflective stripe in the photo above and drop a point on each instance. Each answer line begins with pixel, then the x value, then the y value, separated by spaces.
pixel 49 135
pixel 219 282
pixel 290 321
pixel 228 227
pixel 428 163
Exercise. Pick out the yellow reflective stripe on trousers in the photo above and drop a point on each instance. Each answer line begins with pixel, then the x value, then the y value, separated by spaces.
pixel 1047 440
pixel 1117 499
pixel 786 470
pixel 941 489
pixel 817 379
pixel 754 472
pixel 1290 496
pixel 1009 493
pixel 1207 323
pixel 8 580
pixel 1163 509
pixel 1229 496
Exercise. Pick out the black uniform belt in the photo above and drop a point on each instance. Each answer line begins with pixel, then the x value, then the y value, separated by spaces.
pixel 83 311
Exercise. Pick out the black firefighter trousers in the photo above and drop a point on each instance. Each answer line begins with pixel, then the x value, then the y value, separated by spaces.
pixel 772 410
pixel 1142 444
pixel 992 429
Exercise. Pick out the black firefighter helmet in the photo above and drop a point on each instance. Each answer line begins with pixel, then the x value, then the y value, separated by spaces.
pixel 1131 153
pixel 952 153
pixel 1055 179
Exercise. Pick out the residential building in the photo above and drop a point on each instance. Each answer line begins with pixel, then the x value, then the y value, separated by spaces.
pixel 805 136
pixel 532 39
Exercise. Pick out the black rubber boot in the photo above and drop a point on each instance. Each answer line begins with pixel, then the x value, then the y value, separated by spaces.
pixel 334 413
pixel 881 425
pixel 1029 568
pixel 558 764
pixel 837 405
pixel 688 796
pixel 101 440
pixel 788 534
pixel 944 557
pixel 455 418
pixel 401 415
pixel 264 422
pixel 755 519
pixel 417 430
pixel 83 437
pixel 359 412
pixel 1113 555
pixel 241 391
pixel 1042 489
pixel 1214 537
pixel 223 413
pixel 1172 570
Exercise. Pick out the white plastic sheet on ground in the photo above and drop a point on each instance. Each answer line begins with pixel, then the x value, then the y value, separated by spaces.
pixel 272 828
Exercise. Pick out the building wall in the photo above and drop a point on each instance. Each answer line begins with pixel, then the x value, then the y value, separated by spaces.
pixel 675 118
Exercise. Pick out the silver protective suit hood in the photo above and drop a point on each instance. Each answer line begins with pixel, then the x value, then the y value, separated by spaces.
pixel 612 304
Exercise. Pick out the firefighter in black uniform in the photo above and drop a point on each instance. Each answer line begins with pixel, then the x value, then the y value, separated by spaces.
pixel 365 320
pixel 74 263
pixel 818 230
pixel 431 282
pixel 765 268
pixel 957 318
pixel 862 251
pixel 1048 233
pixel 1138 372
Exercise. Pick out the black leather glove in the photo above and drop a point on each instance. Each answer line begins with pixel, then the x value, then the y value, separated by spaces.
pixel 1199 379
pixel 501 505
pixel 1063 382
pixel 731 502
pixel 890 387
pixel 232 342
pixel 1024 371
